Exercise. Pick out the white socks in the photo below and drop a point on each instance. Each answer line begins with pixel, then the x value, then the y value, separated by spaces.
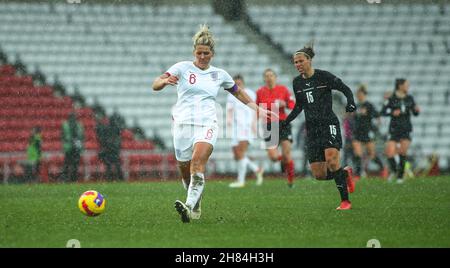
pixel 242 170
pixel 195 189
pixel 251 165
pixel 185 184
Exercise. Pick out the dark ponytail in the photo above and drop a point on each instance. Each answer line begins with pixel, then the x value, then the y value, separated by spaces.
pixel 307 50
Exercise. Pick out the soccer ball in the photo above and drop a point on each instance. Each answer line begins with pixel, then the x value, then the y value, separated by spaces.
pixel 91 203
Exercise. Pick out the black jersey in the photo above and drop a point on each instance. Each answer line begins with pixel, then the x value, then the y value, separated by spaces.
pixel 365 113
pixel 406 105
pixel 314 96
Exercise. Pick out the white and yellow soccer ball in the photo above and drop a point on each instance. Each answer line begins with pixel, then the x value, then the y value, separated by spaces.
pixel 91 203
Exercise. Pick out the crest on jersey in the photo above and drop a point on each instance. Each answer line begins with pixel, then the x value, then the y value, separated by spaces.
pixel 214 76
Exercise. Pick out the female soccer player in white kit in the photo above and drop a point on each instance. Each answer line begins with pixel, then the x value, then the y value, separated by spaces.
pixel 195 127
pixel 241 120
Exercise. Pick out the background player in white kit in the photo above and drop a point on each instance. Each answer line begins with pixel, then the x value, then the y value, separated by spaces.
pixel 241 121
pixel 195 127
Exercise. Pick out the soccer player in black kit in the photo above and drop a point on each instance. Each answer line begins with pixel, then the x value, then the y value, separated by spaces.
pixel 312 90
pixel 399 107
pixel 364 131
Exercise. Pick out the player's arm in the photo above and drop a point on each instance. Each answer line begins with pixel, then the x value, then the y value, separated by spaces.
pixel 297 109
pixel 243 97
pixel 374 113
pixel 295 112
pixel 289 101
pixel 163 80
pixel 414 108
pixel 344 89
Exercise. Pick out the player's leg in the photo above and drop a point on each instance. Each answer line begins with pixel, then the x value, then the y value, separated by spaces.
pixel 357 157
pixel 108 171
pixel 274 155
pixel 74 166
pixel 319 170
pixel 372 153
pixel 243 145
pixel 403 150
pixel 287 161
pixel 239 155
pixel 183 144
pixel 184 167
pixel 200 156
pixel 341 176
pixel 390 152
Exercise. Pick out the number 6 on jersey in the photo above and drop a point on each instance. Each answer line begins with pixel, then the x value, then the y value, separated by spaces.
pixel 192 79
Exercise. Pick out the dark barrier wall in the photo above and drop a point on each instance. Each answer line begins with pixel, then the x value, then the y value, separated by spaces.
pixel 230 10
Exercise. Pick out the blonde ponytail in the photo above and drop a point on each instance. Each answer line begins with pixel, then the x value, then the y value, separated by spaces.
pixel 204 37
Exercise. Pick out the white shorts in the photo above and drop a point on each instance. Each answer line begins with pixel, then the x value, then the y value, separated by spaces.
pixel 241 134
pixel 185 136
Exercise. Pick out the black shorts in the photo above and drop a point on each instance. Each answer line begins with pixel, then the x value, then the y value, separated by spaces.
pixel 364 136
pixel 397 135
pixel 322 138
pixel 284 134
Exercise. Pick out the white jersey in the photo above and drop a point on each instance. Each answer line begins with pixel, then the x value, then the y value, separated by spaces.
pixel 243 115
pixel 197 90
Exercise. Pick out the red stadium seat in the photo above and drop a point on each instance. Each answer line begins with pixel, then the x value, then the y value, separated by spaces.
pixel 7 70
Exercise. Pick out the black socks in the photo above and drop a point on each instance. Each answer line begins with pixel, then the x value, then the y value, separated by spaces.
pixel 357 161
pixel 378 161
pixel 401 170
pixel 392 164
pixel 340 178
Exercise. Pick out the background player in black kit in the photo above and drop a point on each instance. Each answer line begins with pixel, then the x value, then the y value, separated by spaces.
pixel 364 131
pixel 399 107
pixel 312 90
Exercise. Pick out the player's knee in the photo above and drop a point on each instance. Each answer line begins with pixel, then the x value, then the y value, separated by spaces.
pixel 332 165
pixel 273 158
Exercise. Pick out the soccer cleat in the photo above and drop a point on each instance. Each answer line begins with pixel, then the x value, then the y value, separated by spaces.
pixel 400 181
pixel 237 184
pixel 259 176
pixel 197 210
pixel 183 210
pixel 349 178
pixel 290 185
pixel 345 205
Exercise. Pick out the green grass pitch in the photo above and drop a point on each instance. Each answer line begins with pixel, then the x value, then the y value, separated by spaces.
pixel 414 214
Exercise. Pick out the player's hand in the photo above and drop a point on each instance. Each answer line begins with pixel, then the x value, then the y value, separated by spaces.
pixel 171 80
pixel 417 109
pixel 266 114
pixel 396 112
pixel 351 107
